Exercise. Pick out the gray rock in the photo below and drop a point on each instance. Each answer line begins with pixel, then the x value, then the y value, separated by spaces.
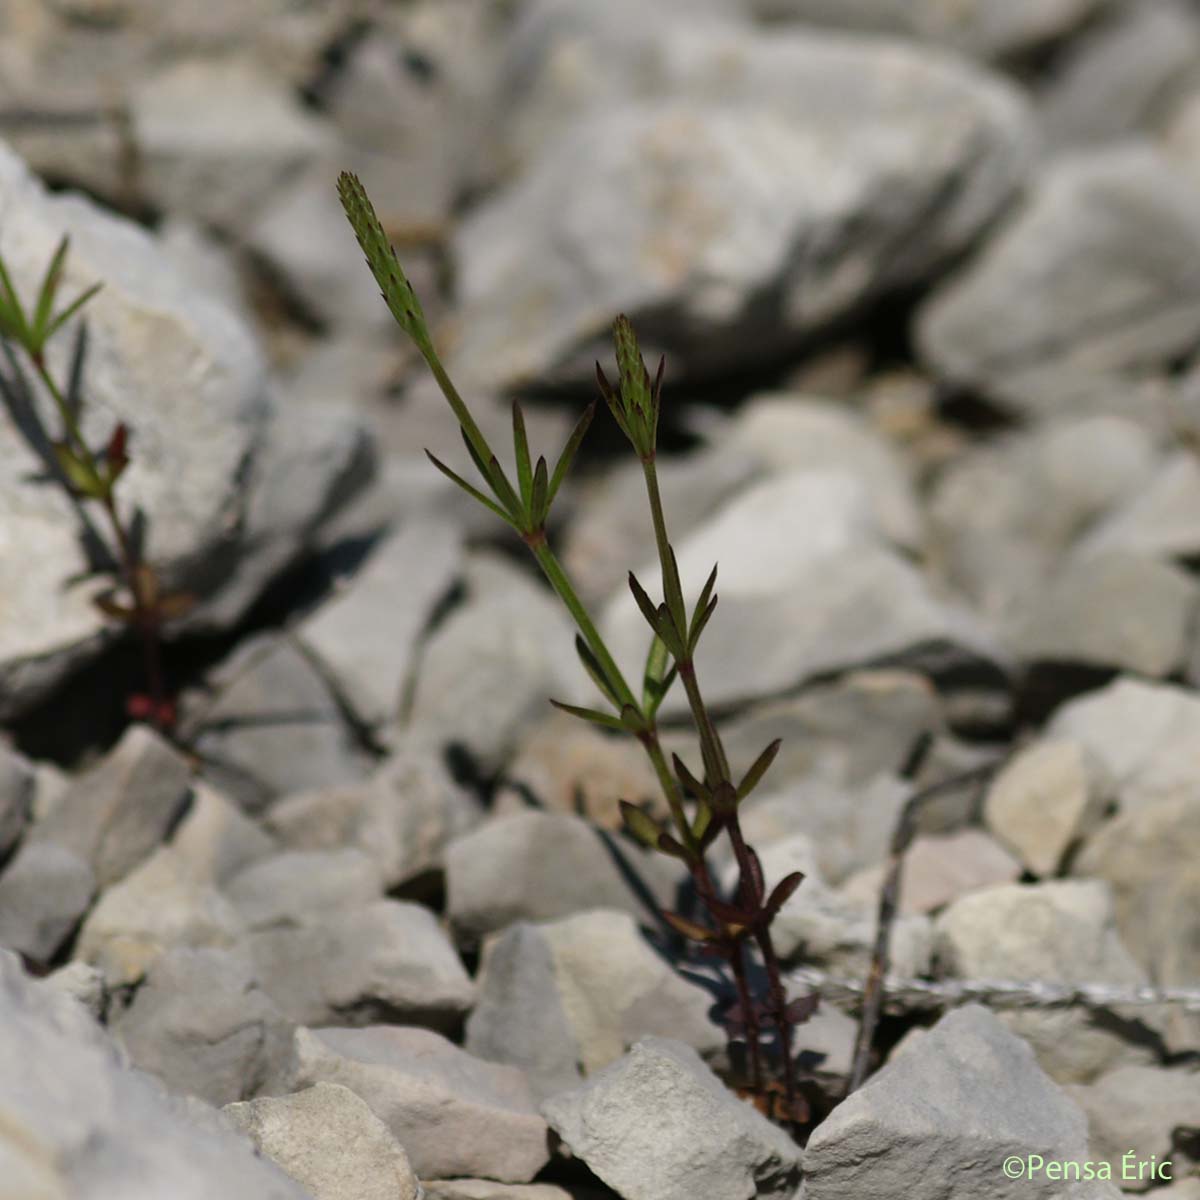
pixel 187 376
pixel 1003 515
pixel 487 670
pixel 162 904
pixel 403 815
pixel 83 983
pixel 938 868
pixel 388 960
pixel 609 533
pixel 1044 802
pixel 564 999
pixel 216 839
pixel 1141 736
pixel 78 1123
pixel 485 1189
pixel 568 765
pixel 1157 519
pixel 113 816
pixel 1148 858
pixel 536 866
pixel 201 1023
pixel 44 892
pixel 1120 77
pixel 943 1117
pixel 849 730
pixel 452 1113
pixel 849 828
pixel 704 1139
pixel 788 432
pixel 709 117
pixel 270 726
pixel 1111 609
pixel 17 783
pixel 797 600
pixel 1072 290
pixel 366 636
pixel 1136 1117
pixel 1059 932
pixel 833 929
pixel 217 135
pixel 985 28
pixel 286 888
pixel 329 1141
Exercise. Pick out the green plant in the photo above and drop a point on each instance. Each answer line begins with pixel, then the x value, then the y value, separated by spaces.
pixel 91 476
pixel 704 806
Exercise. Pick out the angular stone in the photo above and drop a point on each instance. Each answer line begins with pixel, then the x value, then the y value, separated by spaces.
pixel 570 766
pixel 984 28
pixel 216 839
pixel 329 1141
pixel 44 892
pixel 84 1126
pixel 285 888
pixel 797 599
pixel 704 1138
pixel 943 1117
pixel 403 815
pixel 485 1189
pixel 724 113
pixel 1044 802
pixel 268 726
pixel 113 816
pixel 159 905
pixel 1144 738
pixel 17 783
pixel 1073 290
pixel 788 432
pixel 1119 77
pixel 201 1023
pixel 84 983
pixel 1111 609
pixel 1137 1116
pixel 452 1113
pixel 938 868
pixel 488 668
pixel 1059 932
pixel 366 635
pixel 388 960
pixel 536 866
pixel 563 999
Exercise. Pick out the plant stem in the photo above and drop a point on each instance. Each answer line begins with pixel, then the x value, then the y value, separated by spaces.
pixel 127 559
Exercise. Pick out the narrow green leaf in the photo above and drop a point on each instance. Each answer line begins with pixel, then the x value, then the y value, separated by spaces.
pixel 704 816
pixel 12 315
pixel 644 603
pixel 67 313
pixel 673 593
pixel 595 669
pixel 521 452
pixel 472 491
pixel 48 289
pixel 78 471
pixel 654 673
pixel 688 781
pixel 639 823
pixel 505 490
pixel 758 769
pixel 539 503
pixel 702 603
pixel 631 719
pixel 699 624
pixel 569 450
pixel 607 720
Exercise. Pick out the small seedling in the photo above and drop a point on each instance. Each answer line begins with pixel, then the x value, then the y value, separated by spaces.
pixel 136 599
pixel 703 806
